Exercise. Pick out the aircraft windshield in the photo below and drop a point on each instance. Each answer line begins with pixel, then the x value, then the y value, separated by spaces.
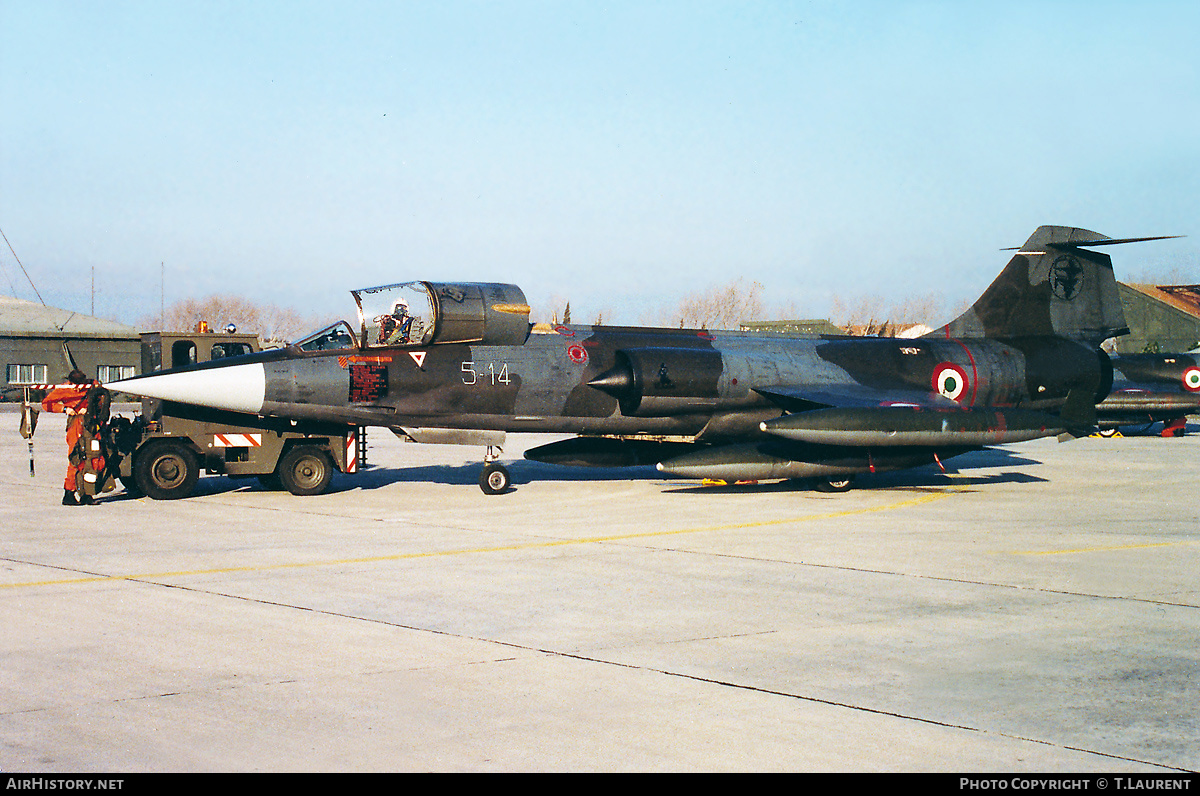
pixel 396 315
pixel 331 338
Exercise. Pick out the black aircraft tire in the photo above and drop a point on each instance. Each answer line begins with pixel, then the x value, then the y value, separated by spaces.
pixel 838 483
pixel 494 479
pixel 166 470
pixel 306 470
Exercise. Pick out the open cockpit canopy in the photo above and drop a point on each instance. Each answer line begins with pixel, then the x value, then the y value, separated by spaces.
pixel 396 315
pixel 414 314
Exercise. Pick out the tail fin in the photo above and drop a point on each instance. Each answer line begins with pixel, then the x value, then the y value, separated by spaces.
pixel 1051 286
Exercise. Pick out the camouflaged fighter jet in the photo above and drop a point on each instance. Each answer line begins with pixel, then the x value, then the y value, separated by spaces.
pixel 1149 389
pixel 440 362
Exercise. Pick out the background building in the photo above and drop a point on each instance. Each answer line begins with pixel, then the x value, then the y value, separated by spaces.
pixel 1161 318
pixel 804 327
pixel 35 341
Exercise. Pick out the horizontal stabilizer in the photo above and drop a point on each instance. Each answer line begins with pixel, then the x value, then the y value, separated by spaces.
pixel 1077 244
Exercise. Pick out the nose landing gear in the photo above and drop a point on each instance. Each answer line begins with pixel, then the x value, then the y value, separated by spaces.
pixel 495 477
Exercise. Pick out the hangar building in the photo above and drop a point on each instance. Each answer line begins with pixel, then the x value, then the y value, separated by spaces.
pixel 1162 318
pixel 35 339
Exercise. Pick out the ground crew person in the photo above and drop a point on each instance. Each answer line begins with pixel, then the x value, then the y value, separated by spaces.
pixel 86 405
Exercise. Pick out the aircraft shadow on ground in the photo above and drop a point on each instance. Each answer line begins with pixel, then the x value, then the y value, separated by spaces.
pixel 929 479
pixel 526 472
pixel 522 472
pixel 958 474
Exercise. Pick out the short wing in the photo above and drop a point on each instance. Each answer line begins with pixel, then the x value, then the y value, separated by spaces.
pixel 851 396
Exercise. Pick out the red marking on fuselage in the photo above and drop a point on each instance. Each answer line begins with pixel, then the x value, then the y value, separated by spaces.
pixel 974 367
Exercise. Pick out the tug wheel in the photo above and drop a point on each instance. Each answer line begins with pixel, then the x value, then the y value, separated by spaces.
pixel 166 471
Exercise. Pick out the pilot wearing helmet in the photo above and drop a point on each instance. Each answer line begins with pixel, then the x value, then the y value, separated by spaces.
pixel 395 329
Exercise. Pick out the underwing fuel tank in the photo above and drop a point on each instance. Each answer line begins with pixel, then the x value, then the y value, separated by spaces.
pixel 778 458
pixel 902 425
pixel 606 452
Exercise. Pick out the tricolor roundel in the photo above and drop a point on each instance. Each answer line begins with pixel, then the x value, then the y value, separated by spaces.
pixel 950 380
pixel 1191 380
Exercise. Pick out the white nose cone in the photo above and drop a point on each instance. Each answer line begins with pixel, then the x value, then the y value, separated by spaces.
pixel 237 388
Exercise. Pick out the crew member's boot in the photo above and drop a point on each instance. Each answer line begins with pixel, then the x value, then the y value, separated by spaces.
pixel 69 498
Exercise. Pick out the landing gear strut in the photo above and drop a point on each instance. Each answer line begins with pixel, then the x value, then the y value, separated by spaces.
pixel 495 478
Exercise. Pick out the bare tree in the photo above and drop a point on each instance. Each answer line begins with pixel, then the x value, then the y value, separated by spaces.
pixel 872 315
pixel 864 312
pixel 271 323
pixel 722 307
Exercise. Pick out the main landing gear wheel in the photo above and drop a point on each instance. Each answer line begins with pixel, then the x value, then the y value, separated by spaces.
pixel 306 470
pixel 494 479
pixel 166 471
pixel 838 483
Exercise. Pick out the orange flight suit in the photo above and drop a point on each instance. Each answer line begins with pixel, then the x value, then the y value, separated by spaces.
pixel 84 452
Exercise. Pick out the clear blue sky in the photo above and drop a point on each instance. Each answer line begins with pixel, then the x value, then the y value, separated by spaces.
pixel 617 154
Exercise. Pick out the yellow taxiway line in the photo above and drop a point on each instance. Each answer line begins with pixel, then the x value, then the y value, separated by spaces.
pixel 914 501
pixel 1107 549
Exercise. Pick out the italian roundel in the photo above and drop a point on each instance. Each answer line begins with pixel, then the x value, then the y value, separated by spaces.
pixel 1191 380
pixel 950 380
pixel 578 354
